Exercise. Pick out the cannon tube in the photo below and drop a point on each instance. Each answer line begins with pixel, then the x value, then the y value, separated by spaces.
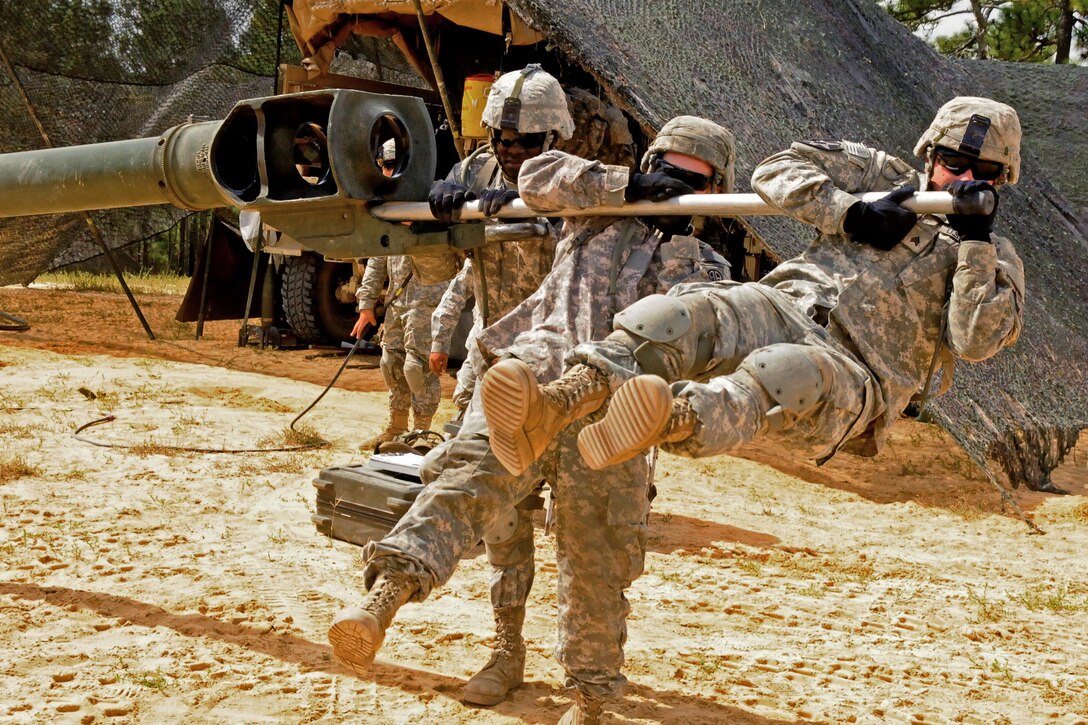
pixel 169 169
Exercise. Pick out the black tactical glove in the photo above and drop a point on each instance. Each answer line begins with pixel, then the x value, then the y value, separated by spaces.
pixel 972 226
pixel 491 200
pixel 656 186
pixel 446 199
pixel 883 223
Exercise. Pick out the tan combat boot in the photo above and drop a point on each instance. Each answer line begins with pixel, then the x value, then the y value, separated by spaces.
pixel 397 425
pixel 357 632
pixel 642 414
pixel 583 712
pixel 420 422
pixel 525 417
pixel 506 668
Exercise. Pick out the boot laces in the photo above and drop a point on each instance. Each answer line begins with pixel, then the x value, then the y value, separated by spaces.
pixel 386 594
pixel 507 637
pixel 682 418
pixel 581 382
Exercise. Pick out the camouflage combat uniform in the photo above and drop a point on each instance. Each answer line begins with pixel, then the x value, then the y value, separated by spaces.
pixel 874 323
pixel 512 271
pixel 601 265
pixel 415 286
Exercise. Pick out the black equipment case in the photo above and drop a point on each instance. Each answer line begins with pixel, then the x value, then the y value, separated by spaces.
pixel 358 504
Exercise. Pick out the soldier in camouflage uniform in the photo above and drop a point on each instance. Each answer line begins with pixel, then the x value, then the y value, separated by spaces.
pixel 415 286
pixel 602 265
pixel 510 269
pixel 499 276
pixel 825 352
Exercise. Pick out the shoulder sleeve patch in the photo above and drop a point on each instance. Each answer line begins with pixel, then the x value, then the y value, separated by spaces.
pixel 825 144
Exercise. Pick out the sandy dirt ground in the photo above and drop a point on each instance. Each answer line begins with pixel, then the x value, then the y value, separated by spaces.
pixel 143 584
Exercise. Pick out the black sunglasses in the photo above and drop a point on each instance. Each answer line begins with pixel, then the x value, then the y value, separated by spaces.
pixel 697 181
pixel 959 163
pixel 526 140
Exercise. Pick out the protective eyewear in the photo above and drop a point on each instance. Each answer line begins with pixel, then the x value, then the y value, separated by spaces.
pixel 697 181
pixel 526 140
pixel 388 165
pixel 959 164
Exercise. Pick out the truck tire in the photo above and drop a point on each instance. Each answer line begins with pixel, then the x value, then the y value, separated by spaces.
pixel 309 299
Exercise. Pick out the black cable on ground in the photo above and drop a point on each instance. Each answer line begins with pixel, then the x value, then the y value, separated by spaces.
pixel 14 324
pixel 332 382
pixel 192 449
pixel 186 449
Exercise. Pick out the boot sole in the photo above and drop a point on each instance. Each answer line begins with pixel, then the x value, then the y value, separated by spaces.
pixel 508 392
pixel 637 416
pixel 479 698
pixel 355 639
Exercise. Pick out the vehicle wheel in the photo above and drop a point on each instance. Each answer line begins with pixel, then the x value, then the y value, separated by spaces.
pixel 309 299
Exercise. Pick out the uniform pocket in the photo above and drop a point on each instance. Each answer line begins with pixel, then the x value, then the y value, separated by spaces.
pixel 628 510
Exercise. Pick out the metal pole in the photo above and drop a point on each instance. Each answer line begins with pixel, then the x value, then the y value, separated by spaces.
pixel 243 333
pixel 727 205
pixel 439 81
pixel 96 234
pixel 204 284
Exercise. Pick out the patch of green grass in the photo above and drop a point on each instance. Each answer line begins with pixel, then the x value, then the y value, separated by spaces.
pixel 812 590
pixel 15 468
pixel 14 430
pixel 750 566
pixel 1001 669
pixel 279 536
pixel 141 284
pixel 986 609
pixel 1056 600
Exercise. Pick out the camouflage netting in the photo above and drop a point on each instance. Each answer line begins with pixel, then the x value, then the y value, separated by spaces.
pixel 95 71
pixel 1053 105
pixel 780 70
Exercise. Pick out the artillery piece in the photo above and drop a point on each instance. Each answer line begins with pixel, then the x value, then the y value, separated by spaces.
pixel 305 161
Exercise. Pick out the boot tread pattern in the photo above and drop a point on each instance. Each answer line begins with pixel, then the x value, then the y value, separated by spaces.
pixel 353 643
pixel 637 416
pixel 507 393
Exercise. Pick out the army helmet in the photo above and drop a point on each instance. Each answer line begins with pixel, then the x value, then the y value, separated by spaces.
pixel 528 101
pixel 979 127
pixel 698 137
pixel 388 151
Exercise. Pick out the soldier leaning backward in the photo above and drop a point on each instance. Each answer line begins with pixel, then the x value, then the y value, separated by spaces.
pixel 511 271
pixel 602 265
pixel 825 352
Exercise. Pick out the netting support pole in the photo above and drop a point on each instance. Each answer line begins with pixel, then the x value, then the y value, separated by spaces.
pixel 96 234
pixel 243 333
pixel 204 284
pixel 439 80
pixel 279 48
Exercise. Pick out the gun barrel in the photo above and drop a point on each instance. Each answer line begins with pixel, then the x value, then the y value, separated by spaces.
pixel 168 169
pixel 727 205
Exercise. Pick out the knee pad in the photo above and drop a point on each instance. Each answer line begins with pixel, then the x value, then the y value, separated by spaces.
pixel 791 374
pixel 503 530
pixel 415 373
pixel 673 336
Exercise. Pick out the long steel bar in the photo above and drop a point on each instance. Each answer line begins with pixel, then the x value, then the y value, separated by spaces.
pixel 729 205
